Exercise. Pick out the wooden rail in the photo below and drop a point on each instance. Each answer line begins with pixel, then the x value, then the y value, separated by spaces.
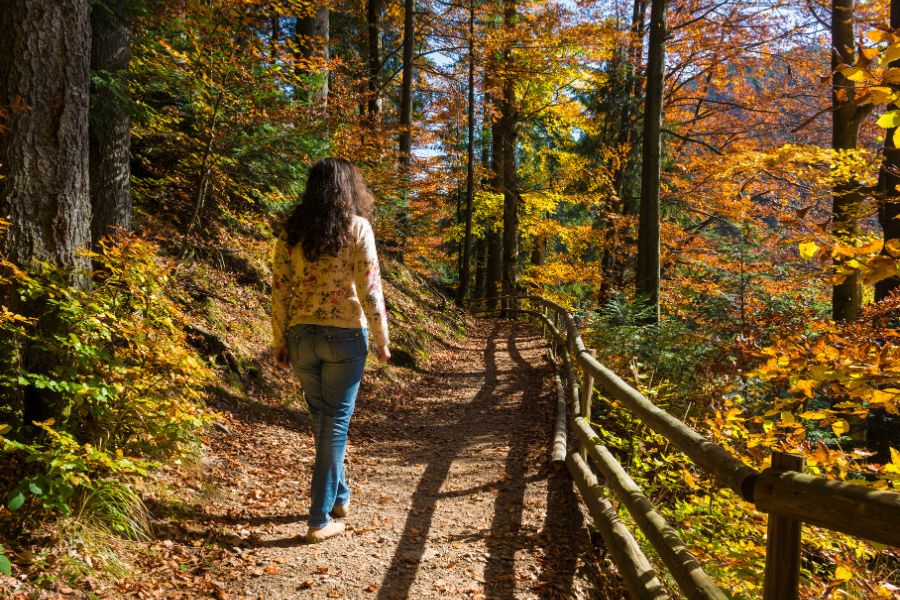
pixel 789 496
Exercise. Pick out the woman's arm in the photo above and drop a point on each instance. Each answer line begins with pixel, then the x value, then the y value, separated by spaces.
pixel 367 276
pixel 282 276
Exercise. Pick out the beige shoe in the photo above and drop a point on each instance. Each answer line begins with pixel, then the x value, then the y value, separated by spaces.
pixel 340 511
pixel 320 534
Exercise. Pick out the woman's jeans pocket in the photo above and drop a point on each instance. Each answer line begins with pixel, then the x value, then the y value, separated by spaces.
pixel 348 345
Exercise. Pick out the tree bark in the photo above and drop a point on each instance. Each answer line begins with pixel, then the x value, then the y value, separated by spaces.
pixel 466 271
pixel 312 35
pixel 110 124
pixel 44 158
pixel 406 86
pixel 846 297
pixel 648 272
pixel 889 179
pixel 507 138
pixel 374 9
pixel 45 78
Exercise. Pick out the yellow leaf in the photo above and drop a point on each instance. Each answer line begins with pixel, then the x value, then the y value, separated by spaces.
pixel 880 267
pixel 813 414
pixel 4 428
pixel 876 36
pixel 806 386
pixel 787 417
pixel 892 247
pixel 890 54
pixel 895 457
pixel 843 573
pixel 889 120
pixel 853 73
pixel 808 250
pixel 840 427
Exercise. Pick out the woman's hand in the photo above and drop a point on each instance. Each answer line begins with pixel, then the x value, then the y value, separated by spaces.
pixel 282 359
pixel 382 353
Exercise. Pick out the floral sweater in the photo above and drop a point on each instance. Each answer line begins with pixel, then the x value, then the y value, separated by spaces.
pixel 342 290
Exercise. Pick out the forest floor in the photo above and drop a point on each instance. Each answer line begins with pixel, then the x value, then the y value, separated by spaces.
pixel 454 494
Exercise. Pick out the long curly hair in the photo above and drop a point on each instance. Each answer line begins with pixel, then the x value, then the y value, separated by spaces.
pixel 320 222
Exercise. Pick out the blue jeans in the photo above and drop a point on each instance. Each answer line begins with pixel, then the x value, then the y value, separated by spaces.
pixel 329 363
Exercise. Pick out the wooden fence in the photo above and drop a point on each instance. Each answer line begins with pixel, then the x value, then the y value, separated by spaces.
pixel 787 495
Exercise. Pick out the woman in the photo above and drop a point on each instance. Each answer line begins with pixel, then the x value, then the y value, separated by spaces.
pixel 326 291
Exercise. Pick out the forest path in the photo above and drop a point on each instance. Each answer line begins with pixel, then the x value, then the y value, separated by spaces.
pixel 454 494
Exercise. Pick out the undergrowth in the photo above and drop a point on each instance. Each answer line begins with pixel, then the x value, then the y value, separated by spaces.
pixel 99 386
pixel 694 376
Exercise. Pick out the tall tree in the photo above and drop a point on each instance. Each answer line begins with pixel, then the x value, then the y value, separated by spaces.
pixel 312 38
pixel 45 78
pixel 625 101
pixel 494 266
pixel 647 274
pixel 406 86
pixel 846 297
pixel 110 124
pixel 505 136
pixel 374 8
pixel 466 270
pixel 889 180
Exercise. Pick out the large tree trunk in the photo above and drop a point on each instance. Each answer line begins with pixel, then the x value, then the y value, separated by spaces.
pixel 45 72
pixel 312 36
pixel 110 125
pixel 44 192
pixel 466 270
pixel 406 86
pixel 846 297
pixel 506 132
pixel 889 179
pixel 374 9
pixel 647 275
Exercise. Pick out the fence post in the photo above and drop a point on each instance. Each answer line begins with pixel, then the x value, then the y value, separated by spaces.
pixel 782 578
pixel 587 391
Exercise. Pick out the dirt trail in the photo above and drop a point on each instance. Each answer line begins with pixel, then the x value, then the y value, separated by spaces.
pixel 454 495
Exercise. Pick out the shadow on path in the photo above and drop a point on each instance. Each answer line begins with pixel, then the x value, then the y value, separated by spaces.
pixel 508 409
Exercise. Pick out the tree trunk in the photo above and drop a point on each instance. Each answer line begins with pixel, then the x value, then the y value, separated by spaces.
pixel 507 138
pixel 647 273
pixel 409 43
pixel 465 272
pixel 495 236
pixel 494 265
pixel 480 267
pixel 312 36
pixel 206 165
pixel 616 238
pixel 45 72
pixel 44 157
pixel 539 251
pixel 374 9
pixel 889 179
pixel 846 297
pixel 110 125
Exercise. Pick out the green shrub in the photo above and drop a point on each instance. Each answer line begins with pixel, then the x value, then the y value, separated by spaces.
pixel 119 385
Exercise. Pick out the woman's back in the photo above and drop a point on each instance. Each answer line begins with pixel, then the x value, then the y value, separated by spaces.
pixel 340 291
